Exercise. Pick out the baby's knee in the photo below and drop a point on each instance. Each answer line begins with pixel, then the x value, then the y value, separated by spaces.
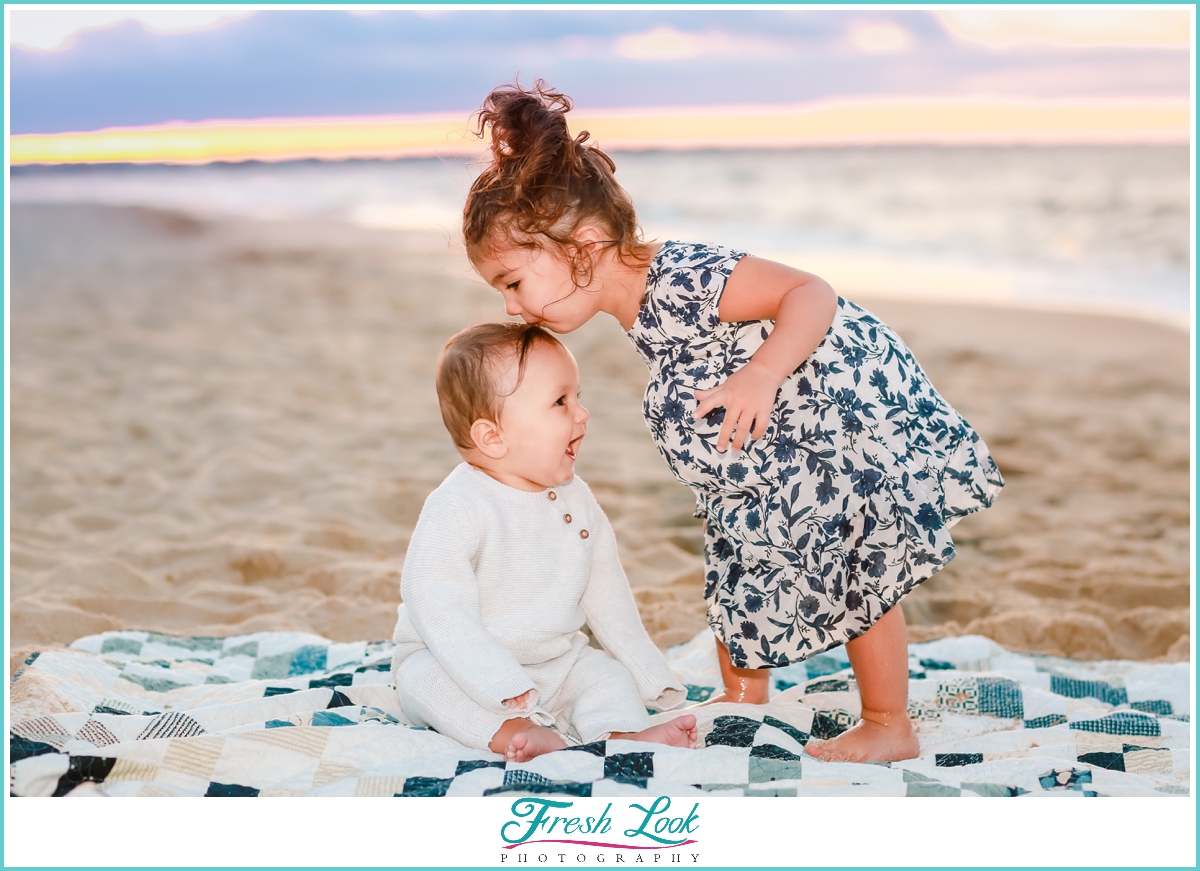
pixel 417 684
pixel 622 675
pixel 602 680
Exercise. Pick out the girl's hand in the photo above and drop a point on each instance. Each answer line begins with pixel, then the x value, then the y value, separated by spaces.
pixel 748 396
pixel 518 702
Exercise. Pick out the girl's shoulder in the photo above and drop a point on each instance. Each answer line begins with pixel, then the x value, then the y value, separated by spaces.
pixel 683 289
pixel 693 257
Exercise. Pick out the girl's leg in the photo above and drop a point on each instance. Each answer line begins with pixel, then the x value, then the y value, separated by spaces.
pixel 884 734
pixel 746 685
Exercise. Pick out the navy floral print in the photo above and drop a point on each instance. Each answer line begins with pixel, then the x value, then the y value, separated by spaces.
pixel 843 506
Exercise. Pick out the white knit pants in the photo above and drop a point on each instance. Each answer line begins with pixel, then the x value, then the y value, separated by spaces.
pixel 597 696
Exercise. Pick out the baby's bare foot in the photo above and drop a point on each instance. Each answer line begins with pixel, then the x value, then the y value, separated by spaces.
pixel 870 741
pixel 680 732
pixel 531 742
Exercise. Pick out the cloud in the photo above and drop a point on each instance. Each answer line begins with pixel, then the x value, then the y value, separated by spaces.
pixel 880 37
pixel 322 62
pixel 661 43
pixel 1005 29
pixel 667 44
pixel 54 29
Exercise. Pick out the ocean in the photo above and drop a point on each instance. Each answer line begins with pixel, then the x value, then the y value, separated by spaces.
pixel 1088 228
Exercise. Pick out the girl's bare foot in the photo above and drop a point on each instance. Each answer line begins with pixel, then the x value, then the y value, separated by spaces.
pixel 532 741
pixel 879 658
pixel 680 732
pixel 878 737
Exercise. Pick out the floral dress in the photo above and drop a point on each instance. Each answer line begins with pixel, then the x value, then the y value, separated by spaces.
pixel 842 506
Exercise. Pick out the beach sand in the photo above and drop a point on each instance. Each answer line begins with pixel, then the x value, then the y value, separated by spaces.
pixel 224 427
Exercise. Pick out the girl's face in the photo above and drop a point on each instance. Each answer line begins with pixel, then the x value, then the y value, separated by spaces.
pixel 538 287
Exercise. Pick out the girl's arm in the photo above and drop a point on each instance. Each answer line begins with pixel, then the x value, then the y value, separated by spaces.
pixel 802 306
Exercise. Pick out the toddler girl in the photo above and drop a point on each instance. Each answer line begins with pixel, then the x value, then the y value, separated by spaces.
pixel 827 468
pixel 511 554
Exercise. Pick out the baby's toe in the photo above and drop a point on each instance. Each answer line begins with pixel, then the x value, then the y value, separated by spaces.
pixel 516 748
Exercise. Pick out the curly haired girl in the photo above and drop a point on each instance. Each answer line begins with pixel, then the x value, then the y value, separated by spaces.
pixel 827 468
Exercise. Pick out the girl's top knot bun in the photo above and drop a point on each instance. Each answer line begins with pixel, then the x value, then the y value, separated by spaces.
pixel 531 143
pixel 519 119
pixel 541 181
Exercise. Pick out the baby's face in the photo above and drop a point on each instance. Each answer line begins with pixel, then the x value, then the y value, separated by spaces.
pixel 542 422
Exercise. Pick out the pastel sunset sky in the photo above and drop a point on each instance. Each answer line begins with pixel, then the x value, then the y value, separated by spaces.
pixel 196 84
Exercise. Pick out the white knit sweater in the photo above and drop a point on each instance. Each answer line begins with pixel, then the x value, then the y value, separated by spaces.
pixel 499 579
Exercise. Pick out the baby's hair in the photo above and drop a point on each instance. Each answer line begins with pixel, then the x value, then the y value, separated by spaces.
pixel 467 373
pixel 541 182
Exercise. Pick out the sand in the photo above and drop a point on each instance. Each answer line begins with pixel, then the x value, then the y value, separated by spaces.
pixel 226 427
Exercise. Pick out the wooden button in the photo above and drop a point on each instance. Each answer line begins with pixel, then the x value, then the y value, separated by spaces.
pixel 551 495
pixel 567 517
pixel 583 533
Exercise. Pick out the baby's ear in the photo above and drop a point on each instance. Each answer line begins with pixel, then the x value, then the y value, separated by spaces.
pixel 488 439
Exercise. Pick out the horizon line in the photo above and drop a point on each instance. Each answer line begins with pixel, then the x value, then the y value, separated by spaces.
pixel 831 121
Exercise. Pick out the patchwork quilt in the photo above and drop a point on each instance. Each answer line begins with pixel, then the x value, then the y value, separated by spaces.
pixel 290 714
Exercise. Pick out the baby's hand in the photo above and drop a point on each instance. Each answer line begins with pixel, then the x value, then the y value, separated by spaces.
pixel 518 702
pixel 748 396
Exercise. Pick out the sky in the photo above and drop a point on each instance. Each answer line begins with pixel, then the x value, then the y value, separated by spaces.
pixel 306 63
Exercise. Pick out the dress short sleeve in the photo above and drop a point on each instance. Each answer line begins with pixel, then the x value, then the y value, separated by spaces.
pixel 683 289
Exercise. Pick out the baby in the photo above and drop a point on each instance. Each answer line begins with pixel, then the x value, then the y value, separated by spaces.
pixel 510 556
